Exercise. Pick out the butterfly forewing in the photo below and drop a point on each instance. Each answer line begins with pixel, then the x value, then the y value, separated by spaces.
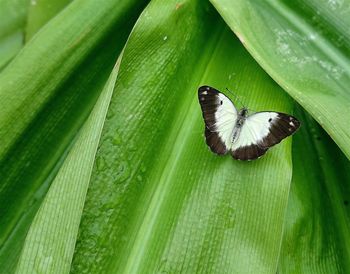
pixel 261 131
pixel 251 136
pixel 220 117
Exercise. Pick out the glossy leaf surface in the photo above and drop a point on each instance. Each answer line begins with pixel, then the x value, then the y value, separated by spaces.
pixel 158 200
pixel 317 227
pixel 50 243
pixel 42 108
pixel 13 14
pixel 305 47
pixel 40 12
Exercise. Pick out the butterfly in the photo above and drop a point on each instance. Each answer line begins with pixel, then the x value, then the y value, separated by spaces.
pixel 246 137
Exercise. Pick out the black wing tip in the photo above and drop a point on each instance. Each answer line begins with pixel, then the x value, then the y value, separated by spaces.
pixel 203 88
pixel 207 94
pixel 282 127
pixel 292 121
pixel 207 88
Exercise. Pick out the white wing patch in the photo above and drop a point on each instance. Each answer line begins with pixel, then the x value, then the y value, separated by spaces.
pixel 220 116
pixel 246 138
pixel 255 128
pixel 226 117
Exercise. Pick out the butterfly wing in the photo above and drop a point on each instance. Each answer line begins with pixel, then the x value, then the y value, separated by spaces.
pixel 261 131
pixel 220 117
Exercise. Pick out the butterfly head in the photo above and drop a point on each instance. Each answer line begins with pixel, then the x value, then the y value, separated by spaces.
pixel 243 112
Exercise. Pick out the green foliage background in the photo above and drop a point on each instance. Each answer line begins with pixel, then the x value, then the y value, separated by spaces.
pixel 103 166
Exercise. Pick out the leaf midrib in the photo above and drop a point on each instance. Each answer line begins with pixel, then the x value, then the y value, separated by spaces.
pixel 164 177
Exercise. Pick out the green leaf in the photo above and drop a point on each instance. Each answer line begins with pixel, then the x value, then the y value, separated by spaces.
pixel 304 46
pixel 159 200
pixel 13 15
pixel 40 12
pixel 47 92
pixel 317 228
pixel 50 242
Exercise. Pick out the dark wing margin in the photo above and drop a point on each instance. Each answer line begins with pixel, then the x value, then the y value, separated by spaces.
pixel 248 153
pixel 209 101
pixel 281 127
pixel 208 98
pixel 219 114
pixel 214 142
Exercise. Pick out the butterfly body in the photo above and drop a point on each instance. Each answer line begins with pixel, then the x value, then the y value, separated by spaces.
pixel 241 117
pixel 246 137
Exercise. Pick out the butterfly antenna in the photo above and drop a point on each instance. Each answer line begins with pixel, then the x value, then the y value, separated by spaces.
pixel 237 98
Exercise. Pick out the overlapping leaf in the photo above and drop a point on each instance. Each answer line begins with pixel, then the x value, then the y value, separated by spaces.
pixel 305 47
pixel 40 12
pixel 46 94
pixel 13 15
pixel 317 225
pixel 49 245
pixel 159 201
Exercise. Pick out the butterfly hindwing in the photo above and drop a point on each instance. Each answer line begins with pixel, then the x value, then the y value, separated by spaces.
pixel 214 142
pixel 220 117
pixel 262 130
pixel 246 137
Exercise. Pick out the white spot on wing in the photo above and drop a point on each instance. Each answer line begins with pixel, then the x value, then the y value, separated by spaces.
pixel 291 123
pixel 205 92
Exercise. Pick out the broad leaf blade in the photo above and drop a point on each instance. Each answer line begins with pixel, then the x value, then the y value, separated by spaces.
pixel 42 108
pixel 159 201
pixel 40 12
pixel 304 46
pixel 317 229
pixel 13 14
pixel 49 245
